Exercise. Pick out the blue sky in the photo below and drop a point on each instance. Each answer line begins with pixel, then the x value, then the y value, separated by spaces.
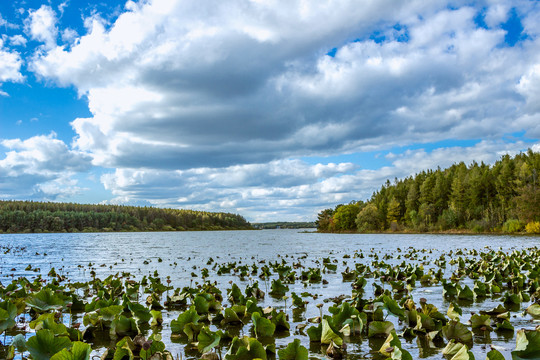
pixel 271 110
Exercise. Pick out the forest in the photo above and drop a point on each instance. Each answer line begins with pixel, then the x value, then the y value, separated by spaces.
pixel 37 217
pixel 503 197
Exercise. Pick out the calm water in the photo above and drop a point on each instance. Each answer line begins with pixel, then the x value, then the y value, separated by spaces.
pixel 182 253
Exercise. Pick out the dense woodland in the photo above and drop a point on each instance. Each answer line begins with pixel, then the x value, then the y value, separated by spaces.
pixel 504 197
pixel 35 217
pixel 284 225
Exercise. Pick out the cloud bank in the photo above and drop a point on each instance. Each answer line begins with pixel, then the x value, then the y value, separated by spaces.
pixel 211 104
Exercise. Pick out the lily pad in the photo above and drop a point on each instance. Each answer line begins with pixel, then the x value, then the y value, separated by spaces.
pixel 79 351
pixel 293 351
pixel 262 327
pixel 207 339
pixel 44 344
pixel 380 328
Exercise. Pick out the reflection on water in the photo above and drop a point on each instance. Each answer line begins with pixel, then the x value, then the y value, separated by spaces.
pixel 179 254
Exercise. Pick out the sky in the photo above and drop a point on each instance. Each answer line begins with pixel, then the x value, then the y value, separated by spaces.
pixel 274 110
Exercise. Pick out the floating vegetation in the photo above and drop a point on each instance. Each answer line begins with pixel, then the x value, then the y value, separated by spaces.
pixel 125 316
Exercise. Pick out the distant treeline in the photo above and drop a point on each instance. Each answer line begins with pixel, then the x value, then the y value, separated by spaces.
pixel 504 197
pixel 285 225
pixel 36 217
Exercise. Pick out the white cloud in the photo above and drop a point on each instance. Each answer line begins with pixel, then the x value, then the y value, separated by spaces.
pixel 41 166
pixel 41 26
pixel 207 99
pixel 17 40
pixel 286 189
pixel 10 66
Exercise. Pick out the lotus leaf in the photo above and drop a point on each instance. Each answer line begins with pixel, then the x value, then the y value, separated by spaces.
pixel 19 343
pixel 494 355
pixel 527 345
pixel 110 312
pixel 534 310
pixel 230 316
pixel 278 288
pixel 246 348
pixel 201 304
pixel 79 351
pixel 380 328
pixel 452 348
pixel 495 311
pixel 392 348
pixel 424 322
pixel 262 326
pixel 47 321
pixel 45 300
pixel 124 326
pixel 457 331
pixel 157 318
pixel 280 320
pixel 124 348
pixel 207 339
pixel 346 314
pixel 479 321
pixel 465 294
pixel 8 313
pixel 504 326
pixel 329 334
pixel 392 306
pixel 44 344
pixel 235 295
pixel 511 299
pixel 463 354
pixel 156 351
pixel 293 351
pixel 192 330
pixel 454 312
pixel 315 333
pixel 188 316
pixel 140 312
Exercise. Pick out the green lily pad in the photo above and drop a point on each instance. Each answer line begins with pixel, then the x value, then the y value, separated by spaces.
pixel 527 345
pixel 293 351
pixel 44 344
pixel 534 310
pixel 79 351
pixel 479 321
pixel 463 354
pixel 328 334
pixel 454 311
pixel 494 355
pixel 246 348
pixel 380 328
pixel 124 326
pixel 262 326
pixel 188 316
pixel 45 300
pixel 207 339
pixel 457 331
pixel 392 348
pixel 452 348
pixel 8 313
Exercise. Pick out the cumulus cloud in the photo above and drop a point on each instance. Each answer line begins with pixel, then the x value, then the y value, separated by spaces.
pixel 285 189
pixel 41 167
pixel 41 26
pixel 208 104
pixel 10 66
pixel 250 82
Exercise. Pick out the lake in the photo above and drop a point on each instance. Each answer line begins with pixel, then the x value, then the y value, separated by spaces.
pixel 179 254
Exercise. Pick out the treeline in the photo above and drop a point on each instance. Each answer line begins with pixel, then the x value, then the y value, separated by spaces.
pixel 285 225
pixel 504 197
pixel 36 217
